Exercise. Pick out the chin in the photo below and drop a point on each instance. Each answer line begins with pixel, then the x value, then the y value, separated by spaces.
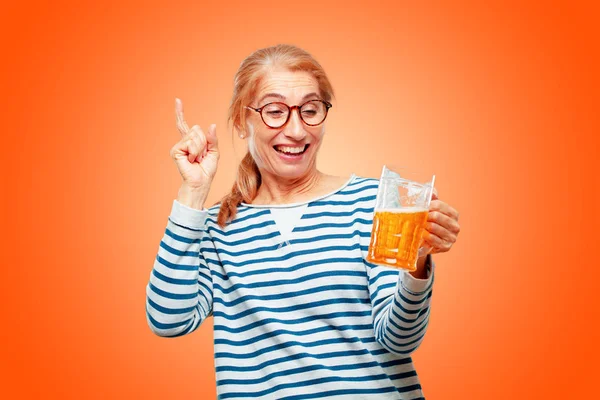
pixel 291 171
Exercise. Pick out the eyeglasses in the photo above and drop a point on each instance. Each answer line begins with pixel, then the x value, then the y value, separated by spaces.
pixel 276 115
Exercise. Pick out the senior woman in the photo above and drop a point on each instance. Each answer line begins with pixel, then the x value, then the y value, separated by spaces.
pixel 280 262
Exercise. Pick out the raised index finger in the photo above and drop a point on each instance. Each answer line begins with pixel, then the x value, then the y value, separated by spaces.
pixel 181 124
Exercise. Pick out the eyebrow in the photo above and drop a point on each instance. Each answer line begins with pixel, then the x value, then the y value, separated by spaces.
pixel 279 96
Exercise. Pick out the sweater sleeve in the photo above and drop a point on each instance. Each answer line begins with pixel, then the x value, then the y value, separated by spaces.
pixel 179 294
pixel 400 306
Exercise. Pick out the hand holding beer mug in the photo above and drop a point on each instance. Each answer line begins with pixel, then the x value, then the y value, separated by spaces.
pixel 401 209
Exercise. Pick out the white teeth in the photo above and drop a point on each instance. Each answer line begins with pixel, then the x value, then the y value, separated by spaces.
pixel 294 150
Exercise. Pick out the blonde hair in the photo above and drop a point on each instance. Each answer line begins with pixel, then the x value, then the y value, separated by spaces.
pixel 246 83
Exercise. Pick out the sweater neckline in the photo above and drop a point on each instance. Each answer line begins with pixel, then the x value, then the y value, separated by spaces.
pixel 291 205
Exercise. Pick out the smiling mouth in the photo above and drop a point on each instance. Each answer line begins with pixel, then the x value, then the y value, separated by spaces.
pixel 291 151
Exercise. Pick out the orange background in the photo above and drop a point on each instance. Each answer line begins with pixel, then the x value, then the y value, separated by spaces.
pixel 500 101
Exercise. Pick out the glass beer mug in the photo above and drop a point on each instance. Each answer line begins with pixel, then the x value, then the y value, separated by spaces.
pixel 401 209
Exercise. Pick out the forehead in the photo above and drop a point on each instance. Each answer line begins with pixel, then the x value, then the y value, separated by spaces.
pixel 292 85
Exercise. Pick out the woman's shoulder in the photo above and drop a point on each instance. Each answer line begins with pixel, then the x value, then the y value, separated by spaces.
pixel 332 182
pixel 357 186
pixel 362 182
pixel 335 182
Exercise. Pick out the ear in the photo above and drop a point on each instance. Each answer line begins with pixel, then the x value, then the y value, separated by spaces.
pixel 239 131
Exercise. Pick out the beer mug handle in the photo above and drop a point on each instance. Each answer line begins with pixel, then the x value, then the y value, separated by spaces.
pixel 424 250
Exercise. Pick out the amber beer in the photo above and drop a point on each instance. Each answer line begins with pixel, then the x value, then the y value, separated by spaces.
pixel 396 237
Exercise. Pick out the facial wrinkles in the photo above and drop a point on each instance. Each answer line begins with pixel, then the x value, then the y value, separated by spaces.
pixel 252 145
pixel 261 138
pixel 290 87
pixel 252 148
pixel 293 90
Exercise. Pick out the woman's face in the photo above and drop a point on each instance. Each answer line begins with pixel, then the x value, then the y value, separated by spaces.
pixel 289 151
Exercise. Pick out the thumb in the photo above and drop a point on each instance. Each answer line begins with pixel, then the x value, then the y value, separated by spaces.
pixel 211 138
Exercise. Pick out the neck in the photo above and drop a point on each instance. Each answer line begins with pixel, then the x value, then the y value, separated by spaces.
pixel 277 190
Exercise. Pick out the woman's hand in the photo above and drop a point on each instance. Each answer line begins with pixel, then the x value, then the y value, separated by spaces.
pixel 196 154
pixel 441 228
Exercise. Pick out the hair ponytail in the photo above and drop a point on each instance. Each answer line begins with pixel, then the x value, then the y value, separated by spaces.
pixel 244 189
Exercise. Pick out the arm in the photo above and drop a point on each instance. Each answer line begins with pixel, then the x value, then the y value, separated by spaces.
pixel 400 306
pixel 179 293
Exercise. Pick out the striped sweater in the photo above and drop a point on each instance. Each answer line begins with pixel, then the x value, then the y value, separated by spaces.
pixel 303 318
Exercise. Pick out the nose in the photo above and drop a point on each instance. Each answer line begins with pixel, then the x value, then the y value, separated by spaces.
pixel 295 127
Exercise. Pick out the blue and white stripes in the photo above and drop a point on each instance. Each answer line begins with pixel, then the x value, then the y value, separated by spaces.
pixel 300 320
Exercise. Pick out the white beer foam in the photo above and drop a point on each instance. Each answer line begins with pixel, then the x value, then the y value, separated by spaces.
pixel 403 210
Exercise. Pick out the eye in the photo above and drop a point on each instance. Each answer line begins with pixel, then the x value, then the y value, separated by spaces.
pixel 275 110
pixel 312 109
pixel 275 113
